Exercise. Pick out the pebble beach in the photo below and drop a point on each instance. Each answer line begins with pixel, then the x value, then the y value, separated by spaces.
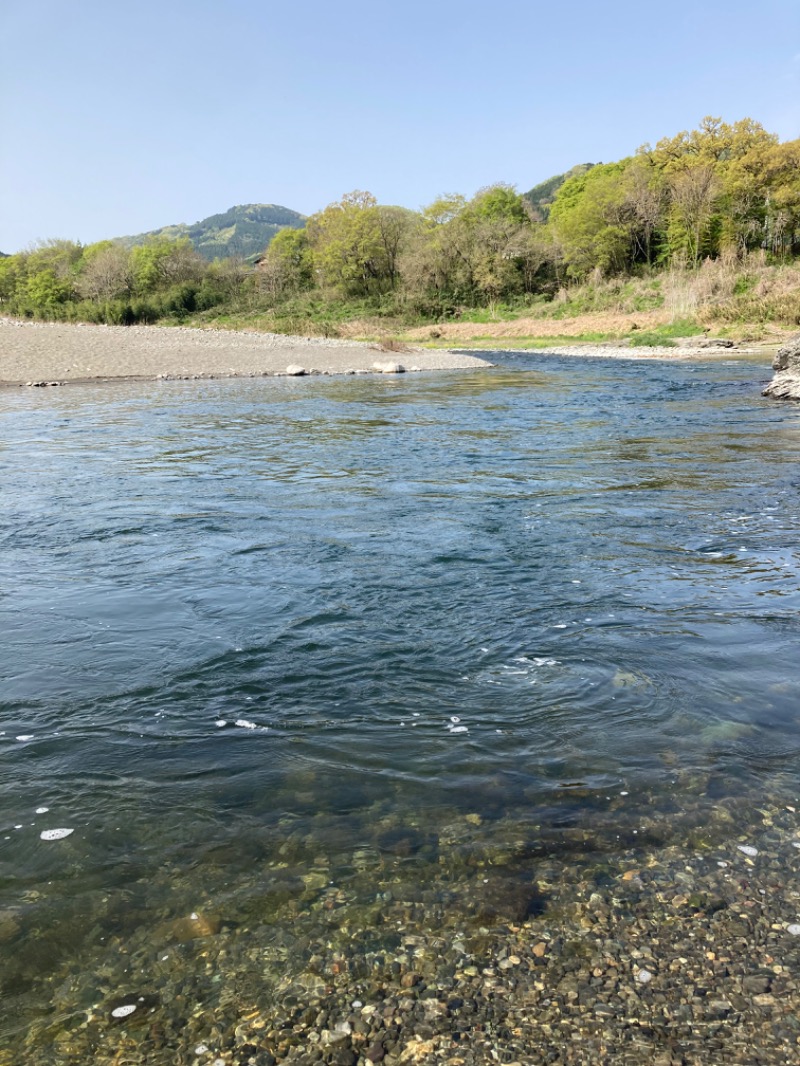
pixel 49 352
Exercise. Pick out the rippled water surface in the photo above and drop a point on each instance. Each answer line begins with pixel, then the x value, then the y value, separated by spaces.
pixel 283 632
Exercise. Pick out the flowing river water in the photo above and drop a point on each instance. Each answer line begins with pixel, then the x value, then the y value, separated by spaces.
pixel 315 671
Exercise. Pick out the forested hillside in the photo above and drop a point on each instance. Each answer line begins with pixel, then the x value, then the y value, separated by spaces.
pixel 705 224
pixel 240 232
pixel 541 196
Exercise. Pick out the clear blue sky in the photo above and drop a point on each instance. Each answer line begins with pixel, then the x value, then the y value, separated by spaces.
pixel 117 118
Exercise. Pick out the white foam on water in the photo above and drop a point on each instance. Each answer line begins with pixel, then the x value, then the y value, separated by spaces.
pixel 561 625
pixel 243 723
pixel 25 736
pixel 455 719
pixel 123 1012
pixel 457 729
pixel 220 723
pixel 42 810
pixel 55 834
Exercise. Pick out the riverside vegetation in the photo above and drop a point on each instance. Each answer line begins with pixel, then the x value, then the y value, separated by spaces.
pixel 701 231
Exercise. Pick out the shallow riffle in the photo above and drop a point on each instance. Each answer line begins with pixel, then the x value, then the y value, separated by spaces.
pixel 473 939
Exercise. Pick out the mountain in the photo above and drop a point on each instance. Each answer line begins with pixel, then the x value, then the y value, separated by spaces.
pixel 243 231
pixel 541 196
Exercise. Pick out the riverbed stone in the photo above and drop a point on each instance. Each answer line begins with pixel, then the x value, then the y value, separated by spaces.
pixel 785 385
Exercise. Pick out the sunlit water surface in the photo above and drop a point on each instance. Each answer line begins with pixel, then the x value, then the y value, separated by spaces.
pixel 251 626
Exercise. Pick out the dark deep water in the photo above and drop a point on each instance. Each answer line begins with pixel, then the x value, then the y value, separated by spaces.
pixel 260 626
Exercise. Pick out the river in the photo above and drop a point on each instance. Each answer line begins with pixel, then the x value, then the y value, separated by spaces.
pixel 277 649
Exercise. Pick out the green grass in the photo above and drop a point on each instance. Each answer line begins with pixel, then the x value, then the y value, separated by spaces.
pixel 650 339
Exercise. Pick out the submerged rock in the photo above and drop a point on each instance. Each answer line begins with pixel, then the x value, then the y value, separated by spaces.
pixel 785 385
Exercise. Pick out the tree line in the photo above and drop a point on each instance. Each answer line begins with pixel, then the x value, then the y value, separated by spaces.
pixel 107 282
pixel 720 189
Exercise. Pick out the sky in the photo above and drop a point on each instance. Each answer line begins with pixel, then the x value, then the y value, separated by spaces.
pixel 118 118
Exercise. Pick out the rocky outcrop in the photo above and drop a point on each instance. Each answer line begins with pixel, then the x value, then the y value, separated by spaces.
pixel 785 385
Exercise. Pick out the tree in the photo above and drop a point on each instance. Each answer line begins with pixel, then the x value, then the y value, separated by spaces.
pixel 592 221
pixel 287 266
pixel 644 201
pixel 347 249
pixel 161 263
pixel 693 193
pixel 396 226
pixel 105 272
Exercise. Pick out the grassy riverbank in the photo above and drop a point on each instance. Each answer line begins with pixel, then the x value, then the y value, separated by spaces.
pixel 744 301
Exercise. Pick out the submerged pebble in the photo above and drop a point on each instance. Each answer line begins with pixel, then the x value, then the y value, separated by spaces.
pixel 748 849
pixel 124 1011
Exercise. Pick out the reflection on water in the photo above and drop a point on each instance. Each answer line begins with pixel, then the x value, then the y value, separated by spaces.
pixel 262 638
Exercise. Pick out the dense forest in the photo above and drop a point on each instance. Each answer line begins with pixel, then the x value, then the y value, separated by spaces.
pixel 718 194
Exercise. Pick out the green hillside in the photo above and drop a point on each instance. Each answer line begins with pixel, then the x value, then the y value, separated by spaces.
pixel 541 196
pixel 243 231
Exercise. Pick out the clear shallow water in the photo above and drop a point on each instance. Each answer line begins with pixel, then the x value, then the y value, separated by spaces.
pixel 550 607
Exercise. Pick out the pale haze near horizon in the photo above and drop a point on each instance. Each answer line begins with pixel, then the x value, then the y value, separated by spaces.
pixel 119 119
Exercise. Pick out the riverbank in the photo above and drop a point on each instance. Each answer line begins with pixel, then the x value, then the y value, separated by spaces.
pixel 34 353
pixel 54 352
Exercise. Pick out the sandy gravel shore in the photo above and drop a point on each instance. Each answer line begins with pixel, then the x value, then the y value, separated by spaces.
pixel 678 354
pixel 32 352
pixel 54 352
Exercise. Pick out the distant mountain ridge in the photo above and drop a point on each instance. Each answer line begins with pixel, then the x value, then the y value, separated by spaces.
pixel 541 196
pixel 243 231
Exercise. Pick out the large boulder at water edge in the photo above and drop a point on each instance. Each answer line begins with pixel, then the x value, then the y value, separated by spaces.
pixel 786 383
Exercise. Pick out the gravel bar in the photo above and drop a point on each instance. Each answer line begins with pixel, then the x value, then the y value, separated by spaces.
pixel 36 353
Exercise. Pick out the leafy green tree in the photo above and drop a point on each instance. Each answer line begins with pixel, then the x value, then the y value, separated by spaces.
pixel 46 292
pixel 161 263
pixel 287 266
pixel 347 249
pixel 593 222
